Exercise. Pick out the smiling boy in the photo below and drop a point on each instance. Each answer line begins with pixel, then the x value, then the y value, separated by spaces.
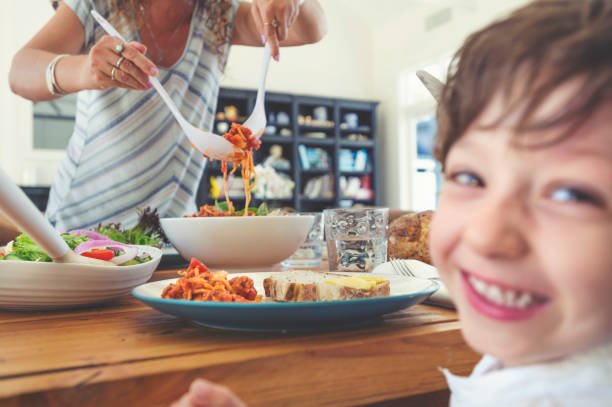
pixel 522 236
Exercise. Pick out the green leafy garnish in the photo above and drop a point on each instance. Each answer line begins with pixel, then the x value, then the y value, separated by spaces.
pixel 221 206
pixel 147 231
pixel 261 210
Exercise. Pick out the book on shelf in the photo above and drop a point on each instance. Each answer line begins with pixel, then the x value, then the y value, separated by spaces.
pixel 361 159
pixel 303 157
pixel 319 187
pixel 313 158
pixel 353 160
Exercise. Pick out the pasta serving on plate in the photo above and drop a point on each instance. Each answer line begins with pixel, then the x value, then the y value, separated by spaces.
pixel 200 284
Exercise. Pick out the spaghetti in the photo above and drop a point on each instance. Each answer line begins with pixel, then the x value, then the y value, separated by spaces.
pixel 200 284
pixel 244 142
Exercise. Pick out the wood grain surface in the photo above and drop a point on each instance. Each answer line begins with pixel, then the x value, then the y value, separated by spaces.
pixel 126 354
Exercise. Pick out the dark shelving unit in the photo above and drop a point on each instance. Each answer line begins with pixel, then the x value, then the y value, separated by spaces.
pixel 331 137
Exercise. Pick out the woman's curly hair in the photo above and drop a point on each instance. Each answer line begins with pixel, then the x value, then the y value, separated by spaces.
pixel 217 20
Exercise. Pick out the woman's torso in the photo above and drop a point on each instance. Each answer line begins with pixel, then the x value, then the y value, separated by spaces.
pixel 126 150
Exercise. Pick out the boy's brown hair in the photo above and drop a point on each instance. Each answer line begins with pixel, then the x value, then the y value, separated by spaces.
pixel 544 44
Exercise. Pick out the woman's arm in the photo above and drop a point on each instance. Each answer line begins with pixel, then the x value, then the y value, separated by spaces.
pixel 296 25
pixel 64 34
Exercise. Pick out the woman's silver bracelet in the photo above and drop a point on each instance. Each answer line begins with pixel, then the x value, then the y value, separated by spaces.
pixel 52 85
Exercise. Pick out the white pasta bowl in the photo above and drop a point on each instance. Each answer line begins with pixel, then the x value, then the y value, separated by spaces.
pixel 28 285
pixel 238 243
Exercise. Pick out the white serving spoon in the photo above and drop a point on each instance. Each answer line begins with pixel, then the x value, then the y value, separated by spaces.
pixel 433 84
pixel 16 205
pixel 208 143
pixel 257 120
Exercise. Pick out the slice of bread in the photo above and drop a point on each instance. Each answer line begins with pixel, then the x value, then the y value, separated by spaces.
pixel 309 286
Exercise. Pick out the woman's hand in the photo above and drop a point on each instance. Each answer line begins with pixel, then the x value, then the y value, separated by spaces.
pixel 203 393
pixel 104 67
pixel 273 19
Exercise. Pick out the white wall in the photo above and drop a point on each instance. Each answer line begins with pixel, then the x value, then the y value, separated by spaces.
pixel 19 20
pixel 338 66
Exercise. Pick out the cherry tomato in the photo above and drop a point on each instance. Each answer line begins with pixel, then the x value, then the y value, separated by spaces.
pixel 102 254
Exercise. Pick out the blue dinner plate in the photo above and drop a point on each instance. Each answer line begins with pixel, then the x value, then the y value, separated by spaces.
pixel 288 316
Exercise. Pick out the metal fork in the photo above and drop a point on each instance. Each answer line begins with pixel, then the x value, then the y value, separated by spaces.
pixel 401 268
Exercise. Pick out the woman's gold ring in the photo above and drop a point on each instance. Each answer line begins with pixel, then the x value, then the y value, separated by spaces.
pixel 113 73
pixel 119 61
pixel 119 48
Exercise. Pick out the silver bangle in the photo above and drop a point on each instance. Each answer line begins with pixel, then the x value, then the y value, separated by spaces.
pixel 52 85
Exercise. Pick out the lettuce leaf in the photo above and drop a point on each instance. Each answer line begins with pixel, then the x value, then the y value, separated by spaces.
pixel 26 249
pixel 147 231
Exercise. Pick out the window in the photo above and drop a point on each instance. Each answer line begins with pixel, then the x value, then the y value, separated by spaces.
pixel 427 178
pixel 419 125
pixel 53 123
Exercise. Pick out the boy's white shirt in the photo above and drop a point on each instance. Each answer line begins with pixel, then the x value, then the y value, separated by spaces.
pixel 584 379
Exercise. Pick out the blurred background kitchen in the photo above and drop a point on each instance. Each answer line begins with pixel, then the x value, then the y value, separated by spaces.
pixel 349 122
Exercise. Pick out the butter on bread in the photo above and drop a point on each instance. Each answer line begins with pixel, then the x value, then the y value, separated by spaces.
pixel 310 286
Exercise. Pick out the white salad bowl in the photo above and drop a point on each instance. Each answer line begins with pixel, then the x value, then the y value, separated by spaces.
pixel 237 243
pixel 28 285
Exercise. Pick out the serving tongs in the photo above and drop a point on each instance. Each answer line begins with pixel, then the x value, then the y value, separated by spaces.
pixel 18 208
pixel 206 142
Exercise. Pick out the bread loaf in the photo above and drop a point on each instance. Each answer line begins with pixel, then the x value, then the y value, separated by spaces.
pixel 409 237
pixel 309 286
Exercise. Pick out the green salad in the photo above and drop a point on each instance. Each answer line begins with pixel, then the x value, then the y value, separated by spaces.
pixel 108 242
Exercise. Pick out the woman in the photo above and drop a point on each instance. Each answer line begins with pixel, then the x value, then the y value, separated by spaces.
pixel 127 151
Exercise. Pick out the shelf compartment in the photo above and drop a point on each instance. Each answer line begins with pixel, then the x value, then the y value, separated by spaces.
pixel 317 171
pixel 357 144
pixel 305 128
pixel 356 173
pixel 276 139
pixel 317 200
pixel 357 200
pixel 312 141
pixel 359 129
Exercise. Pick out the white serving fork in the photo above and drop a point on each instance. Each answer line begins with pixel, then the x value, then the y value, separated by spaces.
pixel 257 120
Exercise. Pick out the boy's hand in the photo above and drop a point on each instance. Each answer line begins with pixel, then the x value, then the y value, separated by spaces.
pixel 203 393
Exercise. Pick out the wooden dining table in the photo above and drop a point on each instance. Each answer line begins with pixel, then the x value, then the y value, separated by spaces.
pixel 124 353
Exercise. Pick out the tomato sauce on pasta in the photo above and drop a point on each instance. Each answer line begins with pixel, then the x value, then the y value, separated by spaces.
pixel 244 143
pixel 200 284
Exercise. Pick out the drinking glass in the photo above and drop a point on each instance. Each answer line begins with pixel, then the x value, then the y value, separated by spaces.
pixel 356 238
pixel 309 254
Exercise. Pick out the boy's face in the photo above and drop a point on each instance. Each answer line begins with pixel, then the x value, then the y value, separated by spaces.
pixel 523 238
